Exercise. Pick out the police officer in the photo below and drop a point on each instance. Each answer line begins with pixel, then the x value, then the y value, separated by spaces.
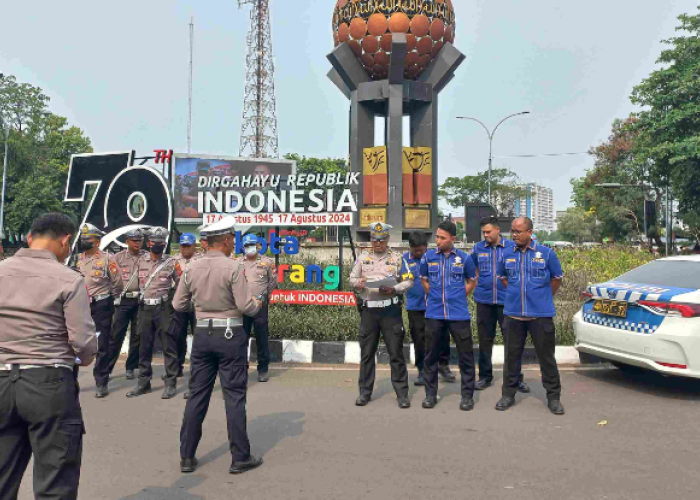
pixel 157 276
pixel 262 278
pixel 221 295
pixel 532 274
pixel 45 330
pixel 127 304
pixel 449 277
pixel 490 295
pixel 204 241
pixel 104 285
pixel 182 321
pixel 381 312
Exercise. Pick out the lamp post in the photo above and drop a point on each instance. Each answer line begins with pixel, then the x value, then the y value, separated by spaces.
pixel 491 133
pixel 4 175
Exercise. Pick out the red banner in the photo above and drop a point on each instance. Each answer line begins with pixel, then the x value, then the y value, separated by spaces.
pixel 313 298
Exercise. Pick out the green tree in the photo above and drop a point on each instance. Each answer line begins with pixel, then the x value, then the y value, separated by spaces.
pixel 578 226
pixel 505 189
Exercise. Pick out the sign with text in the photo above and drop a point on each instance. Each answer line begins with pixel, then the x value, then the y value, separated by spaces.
pixel 286 219
pixel 313 298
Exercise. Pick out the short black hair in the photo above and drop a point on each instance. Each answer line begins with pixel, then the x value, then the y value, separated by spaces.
pixel 417 239
pixel 449 226
pixel 215 240
pixel 529 226
pixel 491 219
pixel 53 225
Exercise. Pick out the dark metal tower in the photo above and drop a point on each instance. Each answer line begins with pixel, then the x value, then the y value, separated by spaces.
pixel 259 128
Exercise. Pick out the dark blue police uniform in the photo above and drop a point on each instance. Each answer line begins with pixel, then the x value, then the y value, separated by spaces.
pixel 529 307
pixel 448 310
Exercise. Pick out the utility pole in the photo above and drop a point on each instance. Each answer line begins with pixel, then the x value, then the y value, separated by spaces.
pixel 189 118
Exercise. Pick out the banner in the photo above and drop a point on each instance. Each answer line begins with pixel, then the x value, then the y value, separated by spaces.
pixel 375 178
pixel 313 298
pixel 417 167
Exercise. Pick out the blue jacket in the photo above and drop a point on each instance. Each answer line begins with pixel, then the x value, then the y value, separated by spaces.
pixel 489 289
pixel 529 273
pixel 415 297
pixel 447 276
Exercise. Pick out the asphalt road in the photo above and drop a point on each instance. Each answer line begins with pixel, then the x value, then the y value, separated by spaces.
pixel 317 444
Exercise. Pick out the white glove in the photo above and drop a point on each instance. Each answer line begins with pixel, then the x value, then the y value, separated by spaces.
pixel 117 301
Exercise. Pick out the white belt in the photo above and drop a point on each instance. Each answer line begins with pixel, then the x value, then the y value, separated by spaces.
pixel 8 367
pixel 131 295
pixel 219 323
pixel 372 304
pixel 155 302
pixel 97 298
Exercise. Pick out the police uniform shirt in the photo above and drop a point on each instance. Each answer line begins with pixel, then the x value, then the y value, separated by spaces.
pixel 166 278
pixel 260 273
pixel 489 289
pixel 415 296
pixel 44 312
pixel 447 276
pixel 101 274
pixel 127 267
pixel 529 273
pixel 374 267
pixel 182 262
pixel 218 287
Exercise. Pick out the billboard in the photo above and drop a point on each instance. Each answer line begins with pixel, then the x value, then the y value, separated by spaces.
pixel 191 173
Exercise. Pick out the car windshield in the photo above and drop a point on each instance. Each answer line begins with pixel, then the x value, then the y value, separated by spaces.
pixel 674 273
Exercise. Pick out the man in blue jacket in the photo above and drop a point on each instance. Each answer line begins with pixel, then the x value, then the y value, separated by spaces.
pixel 449 277
pixel 415 306
pixel 490 296
pixel 532 275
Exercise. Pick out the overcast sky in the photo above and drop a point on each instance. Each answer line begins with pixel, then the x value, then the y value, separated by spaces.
pixel 119 71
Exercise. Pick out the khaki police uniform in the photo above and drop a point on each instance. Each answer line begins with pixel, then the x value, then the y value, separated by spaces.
pixel 221 296
pixel 104 285
pixel 45 324
pixel 182 321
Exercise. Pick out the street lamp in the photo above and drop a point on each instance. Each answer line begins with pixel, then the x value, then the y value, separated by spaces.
pixel 491 133
pixel 6 129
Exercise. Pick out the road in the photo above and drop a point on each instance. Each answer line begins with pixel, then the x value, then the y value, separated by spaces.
pixel 318 445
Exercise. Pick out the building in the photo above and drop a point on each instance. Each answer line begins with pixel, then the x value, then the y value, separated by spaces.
pixel 537 204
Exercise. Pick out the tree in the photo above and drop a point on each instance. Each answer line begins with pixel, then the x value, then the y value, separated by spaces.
pixel 668 127
pixel 578 226
pixel 505 189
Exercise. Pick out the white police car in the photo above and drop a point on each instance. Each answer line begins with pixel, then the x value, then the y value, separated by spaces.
pixel 649 318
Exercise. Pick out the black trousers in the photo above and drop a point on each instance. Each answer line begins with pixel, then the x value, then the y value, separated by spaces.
pixel 487 317
pixel 154 322
pixel 416 324
pixel 40 414
pixel 182 322
pixel 462 334
pixel 389 323
pixel 260 325
pixel 213 353
pixel 102 314
pixel 542 332
pixel 126 314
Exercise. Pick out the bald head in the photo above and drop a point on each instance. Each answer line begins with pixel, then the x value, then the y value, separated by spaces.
pixel 521 231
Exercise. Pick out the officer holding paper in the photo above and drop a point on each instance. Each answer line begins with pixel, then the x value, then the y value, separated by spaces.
pixel 381 276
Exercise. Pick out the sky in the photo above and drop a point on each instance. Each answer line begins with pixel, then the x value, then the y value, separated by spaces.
pixel 119 71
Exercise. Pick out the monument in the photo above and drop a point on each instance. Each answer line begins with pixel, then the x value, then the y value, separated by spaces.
pixel 392 58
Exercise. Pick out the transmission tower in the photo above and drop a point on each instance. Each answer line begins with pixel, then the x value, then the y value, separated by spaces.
pixel 259 128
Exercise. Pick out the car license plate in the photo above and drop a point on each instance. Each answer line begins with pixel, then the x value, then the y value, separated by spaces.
pixel 611 308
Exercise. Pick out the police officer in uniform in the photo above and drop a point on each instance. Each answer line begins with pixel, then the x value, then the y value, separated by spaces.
pixel 127 304
pixel 157 276
pixel 45 331
pixel 222 295
pixel 532 274
pixel 104 285
pixel 182 321
pixel 490 295
pixel 262 278
pixel 449 277
pixel 381 312
pixel 204 241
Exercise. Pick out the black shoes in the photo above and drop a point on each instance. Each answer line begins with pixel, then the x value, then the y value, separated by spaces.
pixel 169 393
pixel 241 467
pixel 139 391
pixel 446 374
pixel 404 402
pixel 555 407
pixel 180 373
pixel 523 387
pixel 188 465
pixel 363 400
pixel 187 394
pixel 102 392
pixel 420 381
pixel 504 403
pixel 467 404
pixel 263 377
pixel 429 402
pixel 482 384
pixel 130 375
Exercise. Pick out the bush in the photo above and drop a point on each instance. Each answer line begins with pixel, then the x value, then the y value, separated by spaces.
pixel 581 268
